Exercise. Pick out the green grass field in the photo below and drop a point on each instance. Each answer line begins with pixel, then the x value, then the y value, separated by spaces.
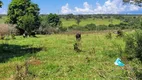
pixel 52 57
pixel 70 22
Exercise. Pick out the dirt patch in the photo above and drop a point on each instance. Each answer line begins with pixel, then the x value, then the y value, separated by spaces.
pixel 34 61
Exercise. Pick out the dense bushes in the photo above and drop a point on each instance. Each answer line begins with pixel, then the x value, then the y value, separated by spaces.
pixel 88 27
pixel 134 45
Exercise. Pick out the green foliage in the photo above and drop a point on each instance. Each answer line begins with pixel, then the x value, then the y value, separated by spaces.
pixel 130 45
pixel 134 45
pixel 109 35
pixel 50 24
pixel 62 29
pixel 78 20
pixel 1 3
pixel 27 23
pixel 120 33
pixel 18 10
pixel 69 16
pixel 53 20
pixel 44 22
pixel 90 27
pixel 102 27
pixel 53 57
pixel 111 25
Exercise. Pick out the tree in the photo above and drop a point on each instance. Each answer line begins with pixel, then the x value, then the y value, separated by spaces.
pixel 53 20
pixel 50 24
pixel 78 20
pixel 19 11
pixel 27 23
pixel 69 16
pixel 1 3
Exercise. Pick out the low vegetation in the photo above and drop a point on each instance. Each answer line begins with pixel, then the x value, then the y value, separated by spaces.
pixel 53 57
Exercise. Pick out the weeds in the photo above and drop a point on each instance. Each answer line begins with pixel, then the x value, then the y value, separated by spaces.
pixel 109 35
pixel 134 45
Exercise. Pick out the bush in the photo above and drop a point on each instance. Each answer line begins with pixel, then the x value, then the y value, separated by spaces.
pixel 62 29
pixel 130 45
pixel 3 30
pixel 90 27
pixel 134 45
pixel 102 27
pixel 120 33
pixel 138 50
pixel 109 35
pixel 111 25
pixel 6 29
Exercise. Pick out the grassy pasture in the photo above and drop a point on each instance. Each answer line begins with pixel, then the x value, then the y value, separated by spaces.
pixel 70 22
pixel 52 57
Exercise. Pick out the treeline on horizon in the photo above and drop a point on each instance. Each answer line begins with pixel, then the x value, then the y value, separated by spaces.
pixel 89 14
pixel 52 23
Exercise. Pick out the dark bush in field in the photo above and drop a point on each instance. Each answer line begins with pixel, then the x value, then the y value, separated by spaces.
pixel 120 33
pixel 130 45
pixel 134 45
pixel 111 25
pixel 90 27
pixel 62 29
pixel 102 27
pixel 109 35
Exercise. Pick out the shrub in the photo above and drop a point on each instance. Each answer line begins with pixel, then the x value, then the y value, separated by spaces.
pixel 120 33
pixel 130 45
pixel 6 29
pixel 101 27
pixel 3 30
pixel 90 27
pixel 138 48
pixel 111 25
pixel 109 35
pixel 62 29
pixel 134 45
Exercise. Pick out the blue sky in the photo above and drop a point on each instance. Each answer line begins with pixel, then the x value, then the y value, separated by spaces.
pixel 81 7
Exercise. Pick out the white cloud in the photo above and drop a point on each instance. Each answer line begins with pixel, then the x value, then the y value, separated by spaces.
pixel 3 11
pixel 134 8
pixel 65 9
pixel 87 8
pixel 109 7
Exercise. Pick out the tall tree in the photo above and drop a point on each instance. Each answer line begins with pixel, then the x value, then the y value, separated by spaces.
pixel 19 10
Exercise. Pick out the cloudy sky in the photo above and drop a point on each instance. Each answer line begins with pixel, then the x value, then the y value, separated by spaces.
pixel 81 7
